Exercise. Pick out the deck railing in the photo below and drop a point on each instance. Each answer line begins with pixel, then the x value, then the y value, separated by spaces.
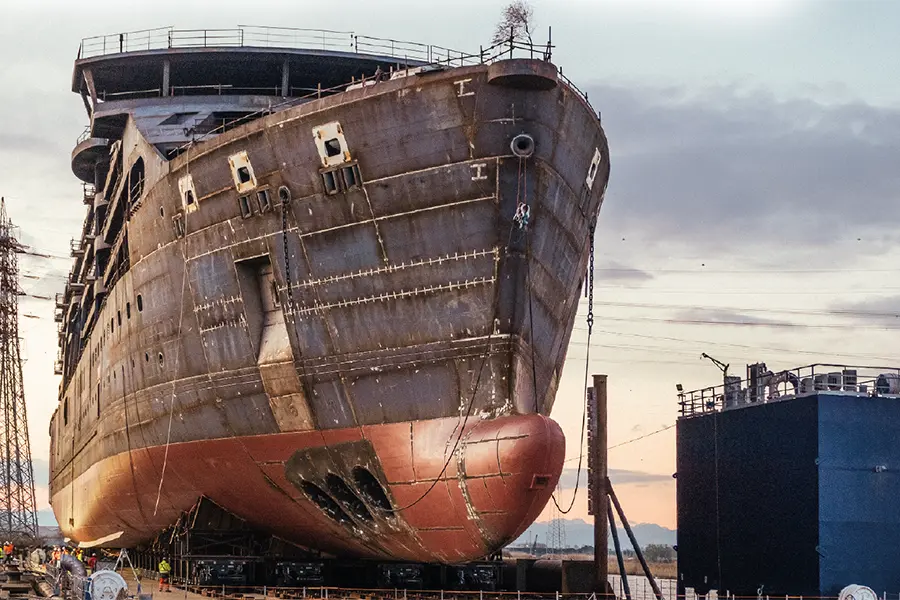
pixel 166 38
pixel 767 386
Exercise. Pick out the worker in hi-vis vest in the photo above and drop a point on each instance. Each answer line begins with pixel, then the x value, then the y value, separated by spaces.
pixel 164 570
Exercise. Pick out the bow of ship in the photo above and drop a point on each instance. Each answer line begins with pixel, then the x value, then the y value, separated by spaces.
pixel 326 284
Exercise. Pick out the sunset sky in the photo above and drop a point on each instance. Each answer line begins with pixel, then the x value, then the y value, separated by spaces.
pixel 751 211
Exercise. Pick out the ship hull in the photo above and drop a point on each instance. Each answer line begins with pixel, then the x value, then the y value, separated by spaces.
pixel 252 347
pixel 494 484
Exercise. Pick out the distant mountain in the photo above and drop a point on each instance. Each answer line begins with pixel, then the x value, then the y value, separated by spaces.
pixel 51 535
pixel 579 533
pixel 46 517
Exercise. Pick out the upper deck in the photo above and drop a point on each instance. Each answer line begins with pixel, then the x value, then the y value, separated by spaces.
pixel 242 61
pixel 762 385
pixel 279 61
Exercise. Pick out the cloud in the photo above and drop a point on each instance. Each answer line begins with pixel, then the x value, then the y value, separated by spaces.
pixel 732 172
pixel 617 476
pixel 731 317
pixel 19 143
pixel 874 311
pixel 611 270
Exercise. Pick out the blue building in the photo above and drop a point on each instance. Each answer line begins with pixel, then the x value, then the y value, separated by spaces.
pixel 789 482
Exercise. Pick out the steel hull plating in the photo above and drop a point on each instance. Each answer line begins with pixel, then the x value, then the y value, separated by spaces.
pixel 264 355
pixel 498 482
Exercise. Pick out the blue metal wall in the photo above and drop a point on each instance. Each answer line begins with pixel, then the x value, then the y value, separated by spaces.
pixel 801 496
pixel 747 493
pixel 859 508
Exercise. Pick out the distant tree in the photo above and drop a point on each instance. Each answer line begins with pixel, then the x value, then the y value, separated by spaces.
pixel 659 553
pixel 517 21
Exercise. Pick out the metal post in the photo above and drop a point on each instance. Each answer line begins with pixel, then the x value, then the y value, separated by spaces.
pixel 634 542
pixel 597 472
pixel 619 558
pixel 285 79
pixel 166 77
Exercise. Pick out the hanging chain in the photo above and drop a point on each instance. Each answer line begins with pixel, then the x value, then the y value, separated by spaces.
pixel 287 263
pixel 590 315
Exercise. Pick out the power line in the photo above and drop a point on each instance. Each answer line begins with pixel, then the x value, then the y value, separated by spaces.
pixel 733 345
pixel 765 324
pixel 36 253
pixel 792 311
pixel 755 291
pixel 740 271
pixel 645 436
pixel 631 441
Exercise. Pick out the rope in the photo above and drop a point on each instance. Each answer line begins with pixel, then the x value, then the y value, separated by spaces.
pixel 587 362
pixel 462 428
pixel 287 264
pixel 471 405
pixel 162 474
pixel 484 358
pixel 522 216
pixel 639 438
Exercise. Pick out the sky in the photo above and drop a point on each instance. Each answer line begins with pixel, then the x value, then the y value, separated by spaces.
pixel 751 210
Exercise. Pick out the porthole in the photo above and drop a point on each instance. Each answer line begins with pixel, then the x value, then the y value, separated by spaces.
pixel 128 309
pixel 332 147
pixel 284 194
pixel 351 177
pixel 140 303
pixel 178 224
pixel 146 357
pixel 188 193
pixel 244 203
pixel 162 211
pixel 242 172
pixel 331 183
pixel 119 317
pixel 262 198
pixel 160 359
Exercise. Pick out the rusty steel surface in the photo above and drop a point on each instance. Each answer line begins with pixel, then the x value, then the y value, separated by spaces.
pixel 344 284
